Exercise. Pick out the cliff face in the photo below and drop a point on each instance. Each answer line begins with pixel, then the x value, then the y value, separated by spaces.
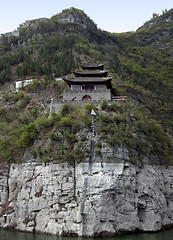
pixel 74 17
pixel 90 200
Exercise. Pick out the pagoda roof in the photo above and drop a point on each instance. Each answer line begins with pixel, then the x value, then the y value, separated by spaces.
pixel 94 73
pixel 95 80
pixel 92 66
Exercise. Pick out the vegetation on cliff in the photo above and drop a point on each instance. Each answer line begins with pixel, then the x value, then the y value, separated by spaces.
pixel 141 66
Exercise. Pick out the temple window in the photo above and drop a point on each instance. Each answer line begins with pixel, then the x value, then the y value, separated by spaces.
pixel 88 87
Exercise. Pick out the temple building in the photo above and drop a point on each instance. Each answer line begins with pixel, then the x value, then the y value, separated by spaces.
pixel 92 83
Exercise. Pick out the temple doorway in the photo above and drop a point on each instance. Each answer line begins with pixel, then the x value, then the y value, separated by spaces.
pixel 86 98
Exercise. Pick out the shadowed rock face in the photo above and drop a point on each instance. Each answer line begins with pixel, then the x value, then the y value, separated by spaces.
pixel 90 200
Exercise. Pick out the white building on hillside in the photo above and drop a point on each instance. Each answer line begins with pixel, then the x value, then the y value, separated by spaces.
pixel 24 83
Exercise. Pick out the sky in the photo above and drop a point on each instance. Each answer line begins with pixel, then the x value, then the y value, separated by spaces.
pixel 110 15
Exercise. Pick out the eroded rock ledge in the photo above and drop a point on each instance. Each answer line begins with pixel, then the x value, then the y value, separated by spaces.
pixel 104 198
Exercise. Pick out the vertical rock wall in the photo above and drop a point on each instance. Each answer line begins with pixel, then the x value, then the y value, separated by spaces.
pixel 102 200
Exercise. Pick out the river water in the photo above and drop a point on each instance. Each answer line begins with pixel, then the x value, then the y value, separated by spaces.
pixel 10 235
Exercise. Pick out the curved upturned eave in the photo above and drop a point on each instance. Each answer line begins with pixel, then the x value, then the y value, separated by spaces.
pixel 91 73
pixel 92 66
pixel 84 80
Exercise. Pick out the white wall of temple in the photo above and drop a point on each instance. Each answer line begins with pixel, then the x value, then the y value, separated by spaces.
pixel 69 95
pixel 75 87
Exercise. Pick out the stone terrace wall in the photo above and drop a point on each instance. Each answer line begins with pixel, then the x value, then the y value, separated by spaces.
pixel 69 95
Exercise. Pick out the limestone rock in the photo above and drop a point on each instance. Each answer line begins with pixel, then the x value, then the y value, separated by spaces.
pixel 102 199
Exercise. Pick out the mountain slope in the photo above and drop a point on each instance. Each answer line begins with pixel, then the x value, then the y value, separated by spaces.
pixel 141 66
pixel 148 60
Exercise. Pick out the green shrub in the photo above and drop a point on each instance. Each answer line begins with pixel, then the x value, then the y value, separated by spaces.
pixel 19 95
pixel 54 136
pixel 46 159
pixel 119 118
pixel 113 140
pixel 23 119
pixel 98 153
pixel 89 106
pixel 42 122
pixel 35 85
pixel 3 142
pixel 2 112
pixel 127 140
pixel 70 122
pixel 67 108
pixel 113 107
pixel 13 96
pixel 80 152
pixel 71 138
pixel 29 133
pixel 99 145
pixel 106 118
pixel 6 150
pixel 87 121
pixel 157 140
pixel 117 91
pixel 7 154
pixel 24 102
pixel 83 138
pixel 104 105
pixel 55 118
pixel 65 122
pixel 69 156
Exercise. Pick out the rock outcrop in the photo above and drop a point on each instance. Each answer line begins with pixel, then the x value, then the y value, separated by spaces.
pixel 77 16
pixel 101 199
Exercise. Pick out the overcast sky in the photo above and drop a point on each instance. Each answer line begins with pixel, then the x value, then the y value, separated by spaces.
pixel 109 15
